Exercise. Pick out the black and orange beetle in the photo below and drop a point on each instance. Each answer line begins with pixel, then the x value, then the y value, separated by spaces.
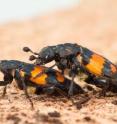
pixel 26 75
pixel 77 59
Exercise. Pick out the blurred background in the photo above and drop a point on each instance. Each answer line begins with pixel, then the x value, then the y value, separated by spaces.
pixel 38 23
pixel 22 9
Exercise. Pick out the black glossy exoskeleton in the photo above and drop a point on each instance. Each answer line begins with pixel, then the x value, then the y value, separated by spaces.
pixel 78 58
pixel 26 75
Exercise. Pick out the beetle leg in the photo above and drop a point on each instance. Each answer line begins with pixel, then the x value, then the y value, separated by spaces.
pixel 26 92
pixel 55 85
pixel 72 73
pixel 25 88
pixel 4 83
pixel 70 92
pixel 105 88
pixel 49 90
pixel 4 91
pixel 75 69
pixel 7 80
pixel 103 83
pixel 49 69
pixel 52 89
pixel 61 92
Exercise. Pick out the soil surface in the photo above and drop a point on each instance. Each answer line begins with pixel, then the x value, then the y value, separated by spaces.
pixel 91 24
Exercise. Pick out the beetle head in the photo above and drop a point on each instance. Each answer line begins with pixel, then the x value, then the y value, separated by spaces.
pixel 45 55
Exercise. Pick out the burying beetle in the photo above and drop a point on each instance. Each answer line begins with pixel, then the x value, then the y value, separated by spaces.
pixel 76 58
pixel 24 75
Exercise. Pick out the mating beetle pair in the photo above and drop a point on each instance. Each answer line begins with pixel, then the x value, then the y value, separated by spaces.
pixel 100 71
pixel 76 58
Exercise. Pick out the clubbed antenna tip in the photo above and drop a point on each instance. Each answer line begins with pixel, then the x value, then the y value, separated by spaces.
pixel 26 49
pixel 31 58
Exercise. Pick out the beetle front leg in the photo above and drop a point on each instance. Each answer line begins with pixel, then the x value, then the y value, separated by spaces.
pixel 75 67
pixel 70 92
pixel 72 74
pixel 7 80
pixel 24 86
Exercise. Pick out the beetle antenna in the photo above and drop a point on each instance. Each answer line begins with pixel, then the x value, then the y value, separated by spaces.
pixel 27 49
pixel 32 57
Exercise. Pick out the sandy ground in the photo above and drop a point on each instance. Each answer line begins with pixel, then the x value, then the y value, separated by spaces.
pixel 91 24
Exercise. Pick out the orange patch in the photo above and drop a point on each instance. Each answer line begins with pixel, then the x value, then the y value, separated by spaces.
pixel 113 68
pixel 40 80
pixel 60 77
pixel 96 64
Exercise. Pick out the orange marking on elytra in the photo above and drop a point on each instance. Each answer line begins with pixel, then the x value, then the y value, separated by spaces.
pixel 40 80
pixel 95 64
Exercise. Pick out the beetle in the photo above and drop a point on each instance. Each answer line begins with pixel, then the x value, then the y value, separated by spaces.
pixel 24 75
pixel 77 59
